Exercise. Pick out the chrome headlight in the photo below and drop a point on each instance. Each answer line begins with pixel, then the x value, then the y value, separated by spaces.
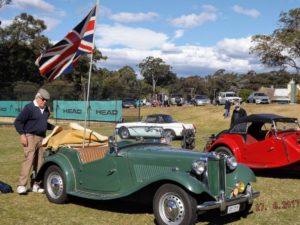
pixel 231 162
pixel 199 166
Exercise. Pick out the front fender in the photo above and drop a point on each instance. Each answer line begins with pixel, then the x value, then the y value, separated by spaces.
pixel 186 180
pixel 241 173
pixel 229 143
pixel 66 167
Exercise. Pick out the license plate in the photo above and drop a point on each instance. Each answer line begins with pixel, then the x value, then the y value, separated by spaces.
pixel 233 208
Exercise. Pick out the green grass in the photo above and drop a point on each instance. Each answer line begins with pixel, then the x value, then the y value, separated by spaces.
pixel 35 208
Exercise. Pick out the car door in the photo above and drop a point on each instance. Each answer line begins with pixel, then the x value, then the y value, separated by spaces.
pixel 106 175
pixel 264 152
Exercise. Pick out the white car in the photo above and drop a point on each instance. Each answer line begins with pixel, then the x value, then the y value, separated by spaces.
pixel 200 100
pixel 228 95
pixel 259 98
pixel 170 126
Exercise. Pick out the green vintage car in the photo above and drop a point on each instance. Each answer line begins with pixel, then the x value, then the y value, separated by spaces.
pixel 180 183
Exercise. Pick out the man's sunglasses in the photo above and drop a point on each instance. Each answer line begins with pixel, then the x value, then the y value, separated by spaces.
pixel 44 100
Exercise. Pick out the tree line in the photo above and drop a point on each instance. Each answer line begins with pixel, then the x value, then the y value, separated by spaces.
pixel 23 41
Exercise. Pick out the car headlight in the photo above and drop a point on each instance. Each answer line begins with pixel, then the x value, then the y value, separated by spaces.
pixel 199 166
pixel 231 162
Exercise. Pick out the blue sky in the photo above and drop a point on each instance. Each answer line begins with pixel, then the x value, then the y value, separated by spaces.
pixel 195 37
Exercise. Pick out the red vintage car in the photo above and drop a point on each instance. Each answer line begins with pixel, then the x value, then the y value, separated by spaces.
pixel 261 141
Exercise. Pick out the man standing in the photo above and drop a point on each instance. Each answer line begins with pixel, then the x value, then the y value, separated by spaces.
pixel 238 112
pixel 32 124
pixel 227 108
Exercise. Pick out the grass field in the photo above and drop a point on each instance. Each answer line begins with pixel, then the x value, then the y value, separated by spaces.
pixel 35 208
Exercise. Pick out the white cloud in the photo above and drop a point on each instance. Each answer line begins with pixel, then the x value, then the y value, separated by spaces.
pixel 194 20
pixel 209 8
pixel 170 48
pixel 178 34
pixel 248 12
pixel 50 22
pixel 229 54
pixel 138 38
pixel 5 23
pixel 39 4
pixel 126 17
pixel 235 48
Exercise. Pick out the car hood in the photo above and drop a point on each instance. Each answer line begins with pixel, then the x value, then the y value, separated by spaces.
pixel 202 100
pixel 234 98
pixel 163 156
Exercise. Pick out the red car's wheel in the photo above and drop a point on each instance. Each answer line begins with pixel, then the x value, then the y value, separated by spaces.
pixel 223 151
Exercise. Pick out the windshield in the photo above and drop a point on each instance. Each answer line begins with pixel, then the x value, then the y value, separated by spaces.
pixel 286 126
pixel 176 96
pixel 169 119
pixel 231 95
pixel 201 97
pixel 260 94
pixel 159 119
pixel 141 134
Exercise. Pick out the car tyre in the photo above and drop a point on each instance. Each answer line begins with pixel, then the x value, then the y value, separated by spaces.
pixel 223 151
pixel 173 205
pixel 55 185
pixel 123 132
pixel 170 133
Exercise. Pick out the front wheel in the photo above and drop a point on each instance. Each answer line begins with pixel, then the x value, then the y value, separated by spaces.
pixel 223 151
pixel 170 133
pixel 174 206
pixel 55 186
pixel 124 132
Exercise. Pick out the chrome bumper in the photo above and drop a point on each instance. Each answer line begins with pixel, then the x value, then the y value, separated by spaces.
pixel 223 203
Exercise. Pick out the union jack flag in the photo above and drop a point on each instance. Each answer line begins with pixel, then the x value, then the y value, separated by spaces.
pixel 61 58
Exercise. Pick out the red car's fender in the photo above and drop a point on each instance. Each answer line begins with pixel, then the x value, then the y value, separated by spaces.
pixel 230 143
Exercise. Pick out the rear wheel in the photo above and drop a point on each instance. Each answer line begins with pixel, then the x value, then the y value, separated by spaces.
pixel 174 206
pixel 223 151
pixel 55 186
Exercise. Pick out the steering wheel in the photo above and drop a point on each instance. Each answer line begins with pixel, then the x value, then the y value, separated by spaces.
pixel 269 133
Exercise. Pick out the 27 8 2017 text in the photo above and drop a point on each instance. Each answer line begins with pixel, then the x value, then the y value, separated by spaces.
pixel 284 204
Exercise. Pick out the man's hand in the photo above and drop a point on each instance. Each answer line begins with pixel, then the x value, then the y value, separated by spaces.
pixel 23 140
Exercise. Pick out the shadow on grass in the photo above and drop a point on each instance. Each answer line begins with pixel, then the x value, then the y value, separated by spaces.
pixel 123 205
pixel 129 206
pixel 276 173
pixel 213 217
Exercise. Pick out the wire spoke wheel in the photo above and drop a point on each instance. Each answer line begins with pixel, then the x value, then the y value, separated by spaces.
pixel 171 208
pixel 172 205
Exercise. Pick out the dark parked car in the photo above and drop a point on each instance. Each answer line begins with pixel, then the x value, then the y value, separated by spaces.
pixel 179 183
pixel 128 103
pixel 261 141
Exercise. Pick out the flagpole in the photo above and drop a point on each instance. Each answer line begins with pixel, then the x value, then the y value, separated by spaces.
pixel 89 78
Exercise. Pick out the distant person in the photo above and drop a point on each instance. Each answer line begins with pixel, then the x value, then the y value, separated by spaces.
pixel 238 112
pixel 32 124
pixel 166 101
pixel 227 108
